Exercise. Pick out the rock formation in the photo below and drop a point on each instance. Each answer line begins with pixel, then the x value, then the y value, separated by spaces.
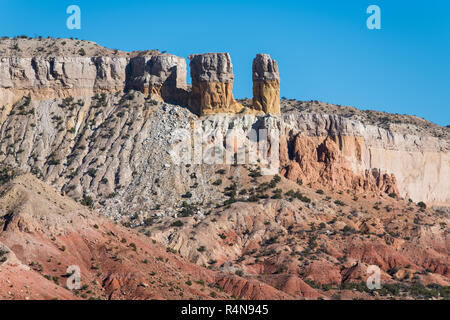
pixel 323 164
pixel 162 75
pixel 97 128
pixel 266 84
pixel 83 69
pixel 59 77
pixel 212 84
pixel 419 161
pixel 93 69
pixel 418 158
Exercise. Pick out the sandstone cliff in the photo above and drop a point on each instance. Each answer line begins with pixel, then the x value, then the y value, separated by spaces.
pixel 61 68
pixel 48 69
pixel 212 84
pixel 97 145
pixel 266 84
pixel 420 162
pixel 162 76
pixel 97 126
pixel 85 71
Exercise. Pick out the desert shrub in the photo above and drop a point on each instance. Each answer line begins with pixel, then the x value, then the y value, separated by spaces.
pixel 187 195
pixel 422 205
pixel 187 210
pixel 392 195
pixel 92 172
pixel 277 194
pixel 347 229
pixel 87 201
pixel 222 236
pixel 7 173
pixel 177 223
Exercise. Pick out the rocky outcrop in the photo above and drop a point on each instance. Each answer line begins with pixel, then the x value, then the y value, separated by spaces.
pixel 420 163
pixel 266 84
pixel 59 77
pixel 82 69
pixel 161 75
pixel 31 132
pixel 61 68
pixel 322 164
pixel 212 84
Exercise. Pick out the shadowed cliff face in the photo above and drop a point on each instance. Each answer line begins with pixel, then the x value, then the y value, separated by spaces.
pixel 162 76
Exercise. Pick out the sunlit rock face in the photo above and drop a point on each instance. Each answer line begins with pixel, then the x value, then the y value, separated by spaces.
pixel 266 84
pixel 212 84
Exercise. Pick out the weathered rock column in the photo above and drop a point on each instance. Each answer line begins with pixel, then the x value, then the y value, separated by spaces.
pixel 162 75
pixel 266 84
pixel 212 84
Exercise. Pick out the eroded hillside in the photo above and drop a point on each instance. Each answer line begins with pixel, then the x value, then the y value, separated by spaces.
pixel 100 128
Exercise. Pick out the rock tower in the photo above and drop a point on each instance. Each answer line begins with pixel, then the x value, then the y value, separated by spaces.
pixel 212 84
pixel 266 84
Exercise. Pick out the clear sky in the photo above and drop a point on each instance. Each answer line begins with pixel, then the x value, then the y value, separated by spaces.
pixel 324 49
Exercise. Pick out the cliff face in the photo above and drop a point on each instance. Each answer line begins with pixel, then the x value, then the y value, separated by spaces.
pixel 101 145
pixel 83 69
pixel 212 84
pixel 266 84
pixel 161 75
pixel 58 77
pixel 421 164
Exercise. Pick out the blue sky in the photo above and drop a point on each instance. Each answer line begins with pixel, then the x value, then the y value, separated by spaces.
pixel 324 50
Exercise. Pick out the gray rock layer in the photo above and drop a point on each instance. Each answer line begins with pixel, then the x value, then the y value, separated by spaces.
pixel 264 68
pixel 159 70
pixel 57 77
pixel 211 67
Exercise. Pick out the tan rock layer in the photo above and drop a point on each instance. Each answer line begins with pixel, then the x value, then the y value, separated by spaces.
pixel 266 96
pixel 213 97
pixel 161 75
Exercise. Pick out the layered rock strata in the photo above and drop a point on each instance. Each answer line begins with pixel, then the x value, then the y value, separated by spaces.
pixel 212 84
pixel 39 134
pixel 59 77
pixel 266 84
pixel 420 163
pixel 62 68
pixel 161 75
